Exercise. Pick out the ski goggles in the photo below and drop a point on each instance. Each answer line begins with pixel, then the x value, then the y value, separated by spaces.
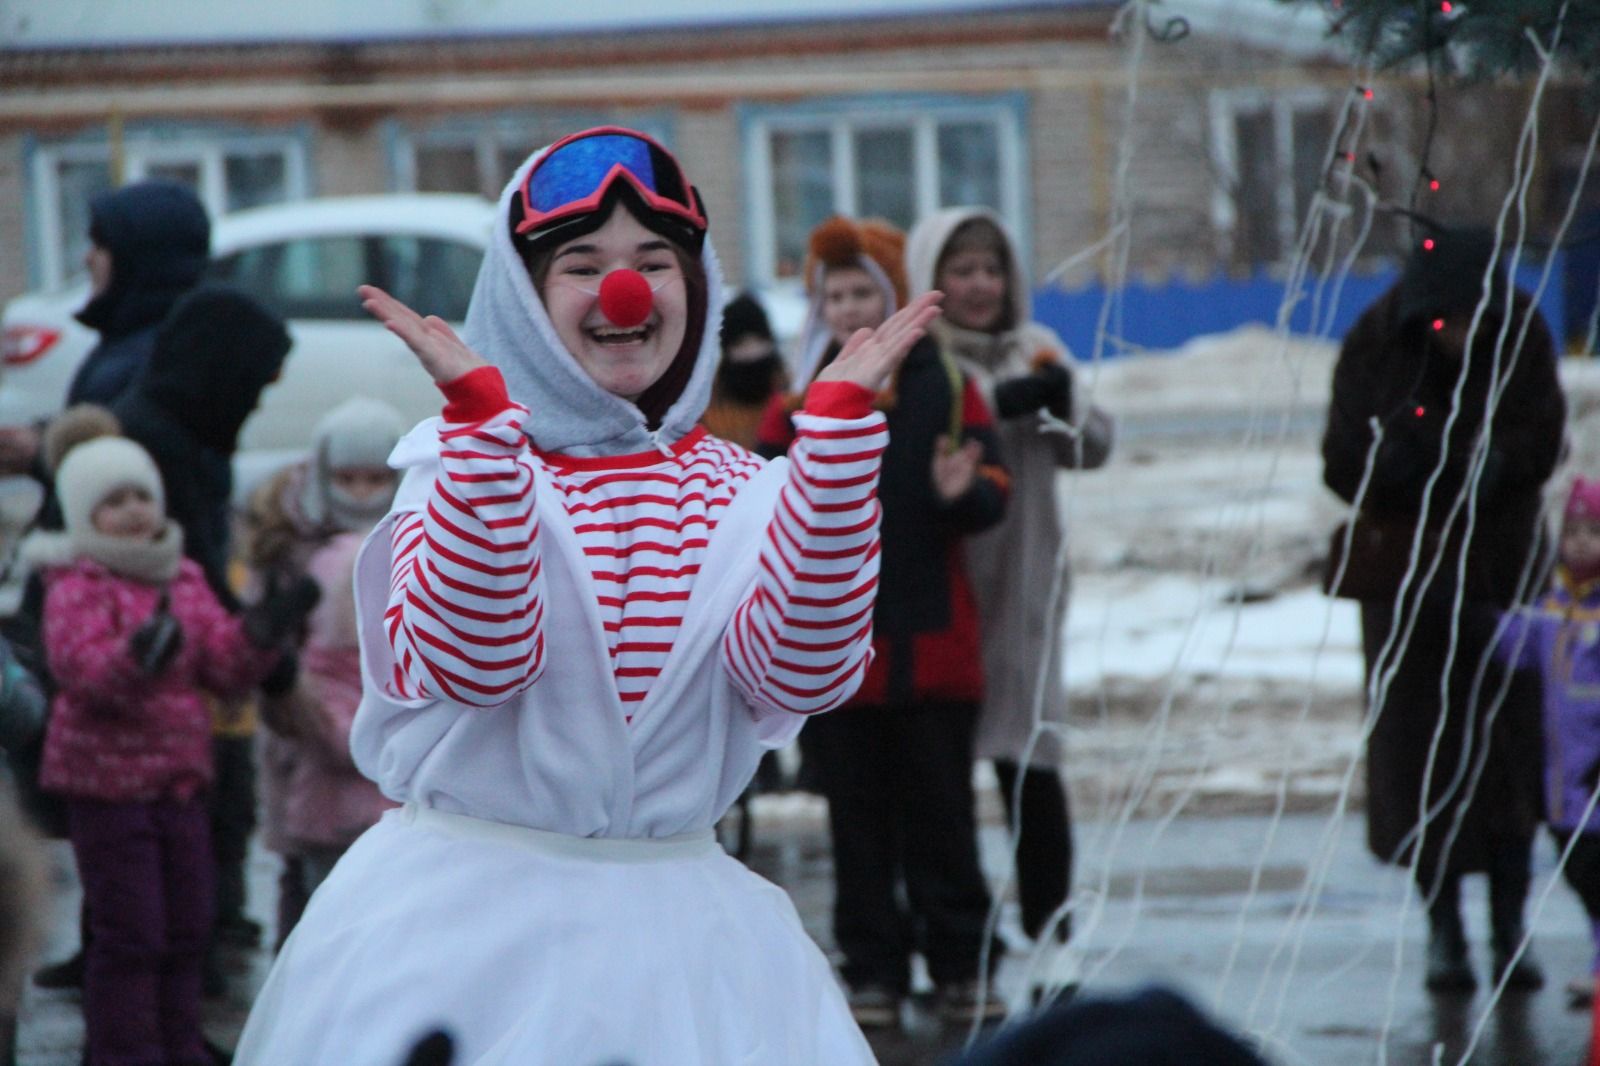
pixel 574 176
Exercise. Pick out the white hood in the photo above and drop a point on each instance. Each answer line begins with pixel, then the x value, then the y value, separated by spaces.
pixel 507 325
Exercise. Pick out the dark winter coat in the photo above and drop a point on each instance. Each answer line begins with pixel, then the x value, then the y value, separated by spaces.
pixel 1388 370
pixel 212 357
pixel 160 242
pixel 1486 768
pixel 925 622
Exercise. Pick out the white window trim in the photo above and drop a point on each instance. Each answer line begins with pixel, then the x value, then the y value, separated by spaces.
pixel 924 121
pixel 139 154
pixel 1225 106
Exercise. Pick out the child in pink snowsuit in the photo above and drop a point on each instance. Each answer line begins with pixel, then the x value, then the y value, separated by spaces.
pixel 310 520
pixel 134 636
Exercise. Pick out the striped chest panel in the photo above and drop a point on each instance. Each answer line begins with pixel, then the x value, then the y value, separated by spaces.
pixel 644 523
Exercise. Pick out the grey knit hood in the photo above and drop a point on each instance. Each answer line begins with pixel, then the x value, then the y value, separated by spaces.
pixel 569 413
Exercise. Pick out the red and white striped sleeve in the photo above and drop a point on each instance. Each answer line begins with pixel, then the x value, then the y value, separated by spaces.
pixel 466 601
pixel 802 640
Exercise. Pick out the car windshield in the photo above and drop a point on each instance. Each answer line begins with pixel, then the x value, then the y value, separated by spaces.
pixel 316 277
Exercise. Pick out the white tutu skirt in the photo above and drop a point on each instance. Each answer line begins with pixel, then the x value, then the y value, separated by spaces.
pixel 536 949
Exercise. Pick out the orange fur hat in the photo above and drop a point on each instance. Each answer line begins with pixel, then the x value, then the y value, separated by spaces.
pixel 842 242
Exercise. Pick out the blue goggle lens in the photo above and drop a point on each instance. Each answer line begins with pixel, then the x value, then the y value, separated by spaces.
pixel 577 170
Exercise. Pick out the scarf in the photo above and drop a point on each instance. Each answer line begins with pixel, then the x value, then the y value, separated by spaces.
pixel 152 562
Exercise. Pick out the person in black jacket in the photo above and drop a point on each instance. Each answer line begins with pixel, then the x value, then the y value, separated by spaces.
pixel 1442 434
pixel 150 242
pixel 895 763
pixel 210 360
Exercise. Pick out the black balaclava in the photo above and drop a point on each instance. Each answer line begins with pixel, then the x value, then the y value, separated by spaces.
pixel 213 355
pixel 159 239
pixel 750 381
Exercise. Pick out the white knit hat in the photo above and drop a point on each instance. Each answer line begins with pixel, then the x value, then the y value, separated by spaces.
pixel 93 469
pixel 359 432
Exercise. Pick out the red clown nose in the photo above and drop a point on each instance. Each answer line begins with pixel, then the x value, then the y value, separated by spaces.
pixel 625 298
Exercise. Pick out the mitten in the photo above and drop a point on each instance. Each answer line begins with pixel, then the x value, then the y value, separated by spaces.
pixel 1059 381
pixel 1409 449
pixel 157 640
pixel 280 682
pixel 1023 396
pixel 281 613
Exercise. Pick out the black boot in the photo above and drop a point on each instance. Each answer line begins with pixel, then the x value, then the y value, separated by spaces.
pixel 1520 973
pixel 1508 895
pixel 68 973
pixel 1449 969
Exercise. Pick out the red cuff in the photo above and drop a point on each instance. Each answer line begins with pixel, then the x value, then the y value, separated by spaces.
pixel 838 399
pixel 475 396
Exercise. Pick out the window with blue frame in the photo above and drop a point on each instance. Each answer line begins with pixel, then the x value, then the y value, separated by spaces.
pixel 896 159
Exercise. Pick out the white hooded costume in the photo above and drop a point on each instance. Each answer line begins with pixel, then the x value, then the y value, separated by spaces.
pixel 551 892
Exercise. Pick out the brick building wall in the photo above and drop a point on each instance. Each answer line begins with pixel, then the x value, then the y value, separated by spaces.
pixel 351 103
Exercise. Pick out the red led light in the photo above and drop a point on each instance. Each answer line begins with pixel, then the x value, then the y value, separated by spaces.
pixel 1421 411
pixel 1438 324
pixel 1446 7
pixel 1427 245
pixel 1434 185
pixel 1367 93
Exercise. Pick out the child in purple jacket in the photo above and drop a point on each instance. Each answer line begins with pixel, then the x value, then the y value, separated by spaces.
pixel 1560 638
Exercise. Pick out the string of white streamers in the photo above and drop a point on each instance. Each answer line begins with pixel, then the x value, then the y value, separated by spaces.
pixel 1317 271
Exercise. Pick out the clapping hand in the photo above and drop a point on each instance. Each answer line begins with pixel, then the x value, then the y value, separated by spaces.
pixel 955 469
pixel 280 614
pixel 157 640
pixel 871 356
pixel 442 354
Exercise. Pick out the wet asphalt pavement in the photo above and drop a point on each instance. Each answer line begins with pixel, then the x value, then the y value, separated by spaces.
pixel 1288 931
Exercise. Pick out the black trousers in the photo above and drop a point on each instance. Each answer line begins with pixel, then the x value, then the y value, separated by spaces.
pixel 898 781
pixel 233 819
pixel 1583 868
pixel 1044 844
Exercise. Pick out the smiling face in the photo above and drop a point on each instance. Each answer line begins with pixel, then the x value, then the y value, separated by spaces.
pixel 974 287
pixel 1580 545
pixel 127 511
pixel 624 362
pixel 851 300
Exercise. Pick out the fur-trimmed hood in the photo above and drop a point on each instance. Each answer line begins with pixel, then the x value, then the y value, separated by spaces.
pixel 871 244
pixel 569 413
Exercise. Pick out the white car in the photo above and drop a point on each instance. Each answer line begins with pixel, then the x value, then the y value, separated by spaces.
pixel 304 260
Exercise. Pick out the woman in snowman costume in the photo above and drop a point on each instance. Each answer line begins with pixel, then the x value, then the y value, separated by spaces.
pixel 582 624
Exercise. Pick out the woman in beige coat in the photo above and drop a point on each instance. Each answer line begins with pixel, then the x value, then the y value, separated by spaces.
pixel 1025 373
